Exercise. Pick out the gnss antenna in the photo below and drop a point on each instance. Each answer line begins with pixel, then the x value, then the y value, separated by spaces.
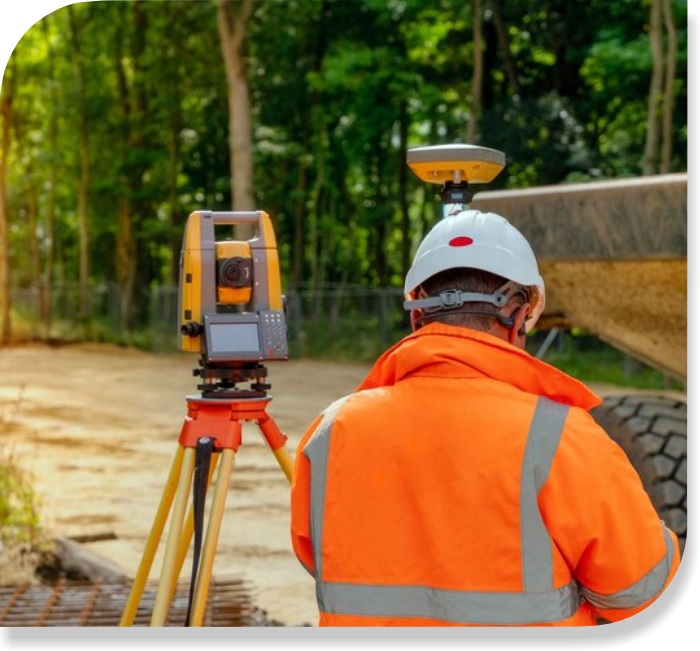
pixel 457 167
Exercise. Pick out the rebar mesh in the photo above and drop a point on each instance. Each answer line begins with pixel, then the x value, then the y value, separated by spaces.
pixel 82 603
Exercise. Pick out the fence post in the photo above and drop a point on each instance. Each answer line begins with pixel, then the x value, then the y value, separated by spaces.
pixel 36 325
pixel 383 334
pixel 115 309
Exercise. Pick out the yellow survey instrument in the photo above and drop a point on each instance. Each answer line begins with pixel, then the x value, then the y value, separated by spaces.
pixel 231 311
pixel 217 276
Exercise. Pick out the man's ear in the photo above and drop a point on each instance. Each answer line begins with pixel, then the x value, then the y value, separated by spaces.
pixel 516 335
pixel 415 319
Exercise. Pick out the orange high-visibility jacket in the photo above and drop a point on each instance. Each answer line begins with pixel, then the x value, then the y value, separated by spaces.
pixel 465 482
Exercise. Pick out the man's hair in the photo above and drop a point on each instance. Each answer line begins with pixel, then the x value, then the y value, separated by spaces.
pixel 467 280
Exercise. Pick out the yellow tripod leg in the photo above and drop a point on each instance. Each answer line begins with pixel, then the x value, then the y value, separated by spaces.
pixel 285 462
pixel 167 573
pixel 189 530
pixel 154 537
pixel 276 440
pixel 213 528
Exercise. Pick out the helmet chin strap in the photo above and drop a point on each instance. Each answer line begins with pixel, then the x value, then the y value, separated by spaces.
pixel 449 301
pixel 506 321
pixel 454 298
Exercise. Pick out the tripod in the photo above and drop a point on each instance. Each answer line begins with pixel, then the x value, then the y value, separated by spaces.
pixel 214 422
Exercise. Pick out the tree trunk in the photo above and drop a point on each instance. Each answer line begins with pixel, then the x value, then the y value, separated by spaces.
pixel 174 168
pixel 232 19
pixel 403 190
pixel 51 199
pixel 47 281
pixel 504 43
pixel 132 101
pixel 300 218
pixel 175 69
pixel 297 270
pixel 83 185
pixel 34 248
pixel 6 99
pixel 382 218
pixel 671 53
pixel 316 198
pixel 176 123
pixel 139 143
pixel 327 239
pixel 124 229
pixel 651 150
pixel 126 261
pixel 350 217
pixel 478 74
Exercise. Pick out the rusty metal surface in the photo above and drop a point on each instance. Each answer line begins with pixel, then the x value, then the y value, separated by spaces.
pixel 102 603
pixel 629 219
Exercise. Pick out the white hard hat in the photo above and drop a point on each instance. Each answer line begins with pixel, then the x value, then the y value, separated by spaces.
pixel 477 240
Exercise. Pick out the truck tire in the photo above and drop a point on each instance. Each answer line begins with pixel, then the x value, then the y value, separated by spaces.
pixel 652 430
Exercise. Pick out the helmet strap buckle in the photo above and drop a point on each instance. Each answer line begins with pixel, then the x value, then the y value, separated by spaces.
pixel 451 298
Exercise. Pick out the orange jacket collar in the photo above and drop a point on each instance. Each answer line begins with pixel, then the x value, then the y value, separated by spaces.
pixel 450 351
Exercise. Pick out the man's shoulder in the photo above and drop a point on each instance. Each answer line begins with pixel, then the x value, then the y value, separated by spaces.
pixel 359 403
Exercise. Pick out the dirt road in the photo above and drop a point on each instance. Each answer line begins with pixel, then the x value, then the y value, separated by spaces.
pixel 97 427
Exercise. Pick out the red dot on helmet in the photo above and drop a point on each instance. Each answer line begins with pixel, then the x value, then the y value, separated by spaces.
pixel 461 241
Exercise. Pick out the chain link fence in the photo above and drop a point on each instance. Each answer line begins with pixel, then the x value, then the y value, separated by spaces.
pixel 40 313
pixel 340 321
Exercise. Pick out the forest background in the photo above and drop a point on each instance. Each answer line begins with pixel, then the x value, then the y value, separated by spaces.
pixel 117 119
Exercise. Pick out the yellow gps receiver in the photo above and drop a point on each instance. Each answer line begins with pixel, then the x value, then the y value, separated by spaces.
pixel 457 167
pixel 456 163
pixel 216 276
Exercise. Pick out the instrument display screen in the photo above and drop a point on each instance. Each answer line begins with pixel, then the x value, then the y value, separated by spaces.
pixel 239 337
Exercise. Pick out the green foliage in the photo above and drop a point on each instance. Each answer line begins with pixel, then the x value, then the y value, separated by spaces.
pixel 339 90
pixel 350 341
pixel 22 541
pixel 19 516
pixel 590 360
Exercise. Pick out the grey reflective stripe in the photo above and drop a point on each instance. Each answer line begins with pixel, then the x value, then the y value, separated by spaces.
pixel 458 606
pixel 536 544
pixel 316 451
pixel 646 589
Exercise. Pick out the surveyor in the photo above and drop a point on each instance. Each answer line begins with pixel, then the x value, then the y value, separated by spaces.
pixel 465 482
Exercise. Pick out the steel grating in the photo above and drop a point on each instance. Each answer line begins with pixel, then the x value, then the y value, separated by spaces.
pixel 101 603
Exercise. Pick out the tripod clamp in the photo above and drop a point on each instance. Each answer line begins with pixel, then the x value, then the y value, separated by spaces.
pixel 220 419
pixel 221 380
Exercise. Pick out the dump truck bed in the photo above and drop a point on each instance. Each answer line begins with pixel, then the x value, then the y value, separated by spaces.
pixel 613 255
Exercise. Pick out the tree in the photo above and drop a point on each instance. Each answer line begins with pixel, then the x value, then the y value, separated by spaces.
pixel 651 149
pixel 129 119
pixel 233 19
pixel 6 100
pixel 478 72
pixel 52 147
pixel 131 73
pixel 504 43
pixel 661 88
pixel 84 184
pixel 669 87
